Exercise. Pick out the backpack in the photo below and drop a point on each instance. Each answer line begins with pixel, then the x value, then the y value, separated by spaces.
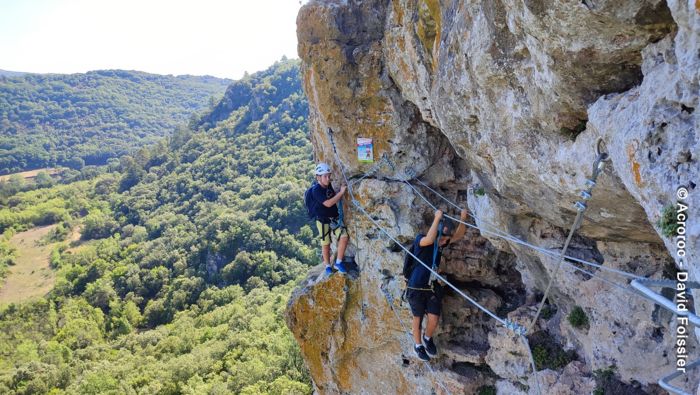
pixel 310 203
pixel 409 263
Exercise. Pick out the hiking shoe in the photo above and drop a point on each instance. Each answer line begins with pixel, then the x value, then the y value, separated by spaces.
pixel 430 348
pixel 420 353
pixel 340 267
pixel 328 271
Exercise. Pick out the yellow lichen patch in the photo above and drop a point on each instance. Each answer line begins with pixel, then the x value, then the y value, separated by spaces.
pixel 346 372
pixel 428 28
pixel 637 175
pixel 403 387
pixel 313 316
pixel 331 83
pixel 631 149
pixel 398 9
pixel 697 5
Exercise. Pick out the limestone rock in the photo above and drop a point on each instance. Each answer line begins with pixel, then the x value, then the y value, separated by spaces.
pixel 573 380
pixel 499 105
pixel 508 355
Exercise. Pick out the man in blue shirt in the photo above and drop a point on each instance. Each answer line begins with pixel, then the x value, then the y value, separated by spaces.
pixel 327 217
pixel 424 296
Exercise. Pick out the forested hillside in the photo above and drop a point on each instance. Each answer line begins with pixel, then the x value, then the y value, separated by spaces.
pixel 189 251
pixel 77 119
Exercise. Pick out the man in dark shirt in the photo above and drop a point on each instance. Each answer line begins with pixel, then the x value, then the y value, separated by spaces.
pixel 424 296
pixel 327 217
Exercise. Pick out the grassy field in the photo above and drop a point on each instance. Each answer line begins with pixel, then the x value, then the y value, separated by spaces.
pixel 32 173
pixel 31 276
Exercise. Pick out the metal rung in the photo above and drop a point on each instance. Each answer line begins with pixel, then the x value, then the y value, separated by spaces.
pixel 664 381
pixel 642 286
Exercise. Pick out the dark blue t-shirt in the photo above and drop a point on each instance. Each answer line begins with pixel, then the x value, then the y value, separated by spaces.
pixel 320 195
pixel 420 277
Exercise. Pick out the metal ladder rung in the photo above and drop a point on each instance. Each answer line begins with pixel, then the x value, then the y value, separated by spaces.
pixel 642 286
pixel 664 381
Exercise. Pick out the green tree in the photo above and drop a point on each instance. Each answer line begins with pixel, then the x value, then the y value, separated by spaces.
pixel 143 304
pixel 76 163
pixel 58 119
pixel 80 325
pixel 132 173
pixel 43 180
pixel 97 225
pixel 15 183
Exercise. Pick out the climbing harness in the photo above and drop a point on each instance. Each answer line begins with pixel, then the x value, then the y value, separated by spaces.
pixel 389 299
pixel 639 284
pixel 510 325
pixel 517 328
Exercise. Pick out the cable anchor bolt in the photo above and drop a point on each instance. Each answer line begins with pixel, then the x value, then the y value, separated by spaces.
pixel 600 152
pixel 516 328
pixel 410 173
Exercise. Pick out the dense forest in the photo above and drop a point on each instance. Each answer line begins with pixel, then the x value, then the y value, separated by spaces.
pixel 189 251
pixel 78 119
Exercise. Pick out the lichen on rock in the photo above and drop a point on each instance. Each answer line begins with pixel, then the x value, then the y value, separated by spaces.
pixel 507 98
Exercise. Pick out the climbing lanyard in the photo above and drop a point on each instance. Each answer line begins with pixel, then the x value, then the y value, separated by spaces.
pixel 339 221
pixel 516 328
pixel 436 247
pixel 340 212
pixel 562 258
pixel 510 325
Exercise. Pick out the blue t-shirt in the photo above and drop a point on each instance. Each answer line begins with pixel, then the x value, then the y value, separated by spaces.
pixel 320 195
pixel 420 278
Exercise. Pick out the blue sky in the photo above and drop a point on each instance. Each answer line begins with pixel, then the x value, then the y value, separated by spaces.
pixel 212 37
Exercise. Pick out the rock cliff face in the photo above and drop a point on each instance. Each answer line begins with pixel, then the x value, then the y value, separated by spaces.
pixel 508 98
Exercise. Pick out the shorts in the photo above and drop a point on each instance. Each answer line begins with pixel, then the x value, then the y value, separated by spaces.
pixel 425 301
pixel 325 232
